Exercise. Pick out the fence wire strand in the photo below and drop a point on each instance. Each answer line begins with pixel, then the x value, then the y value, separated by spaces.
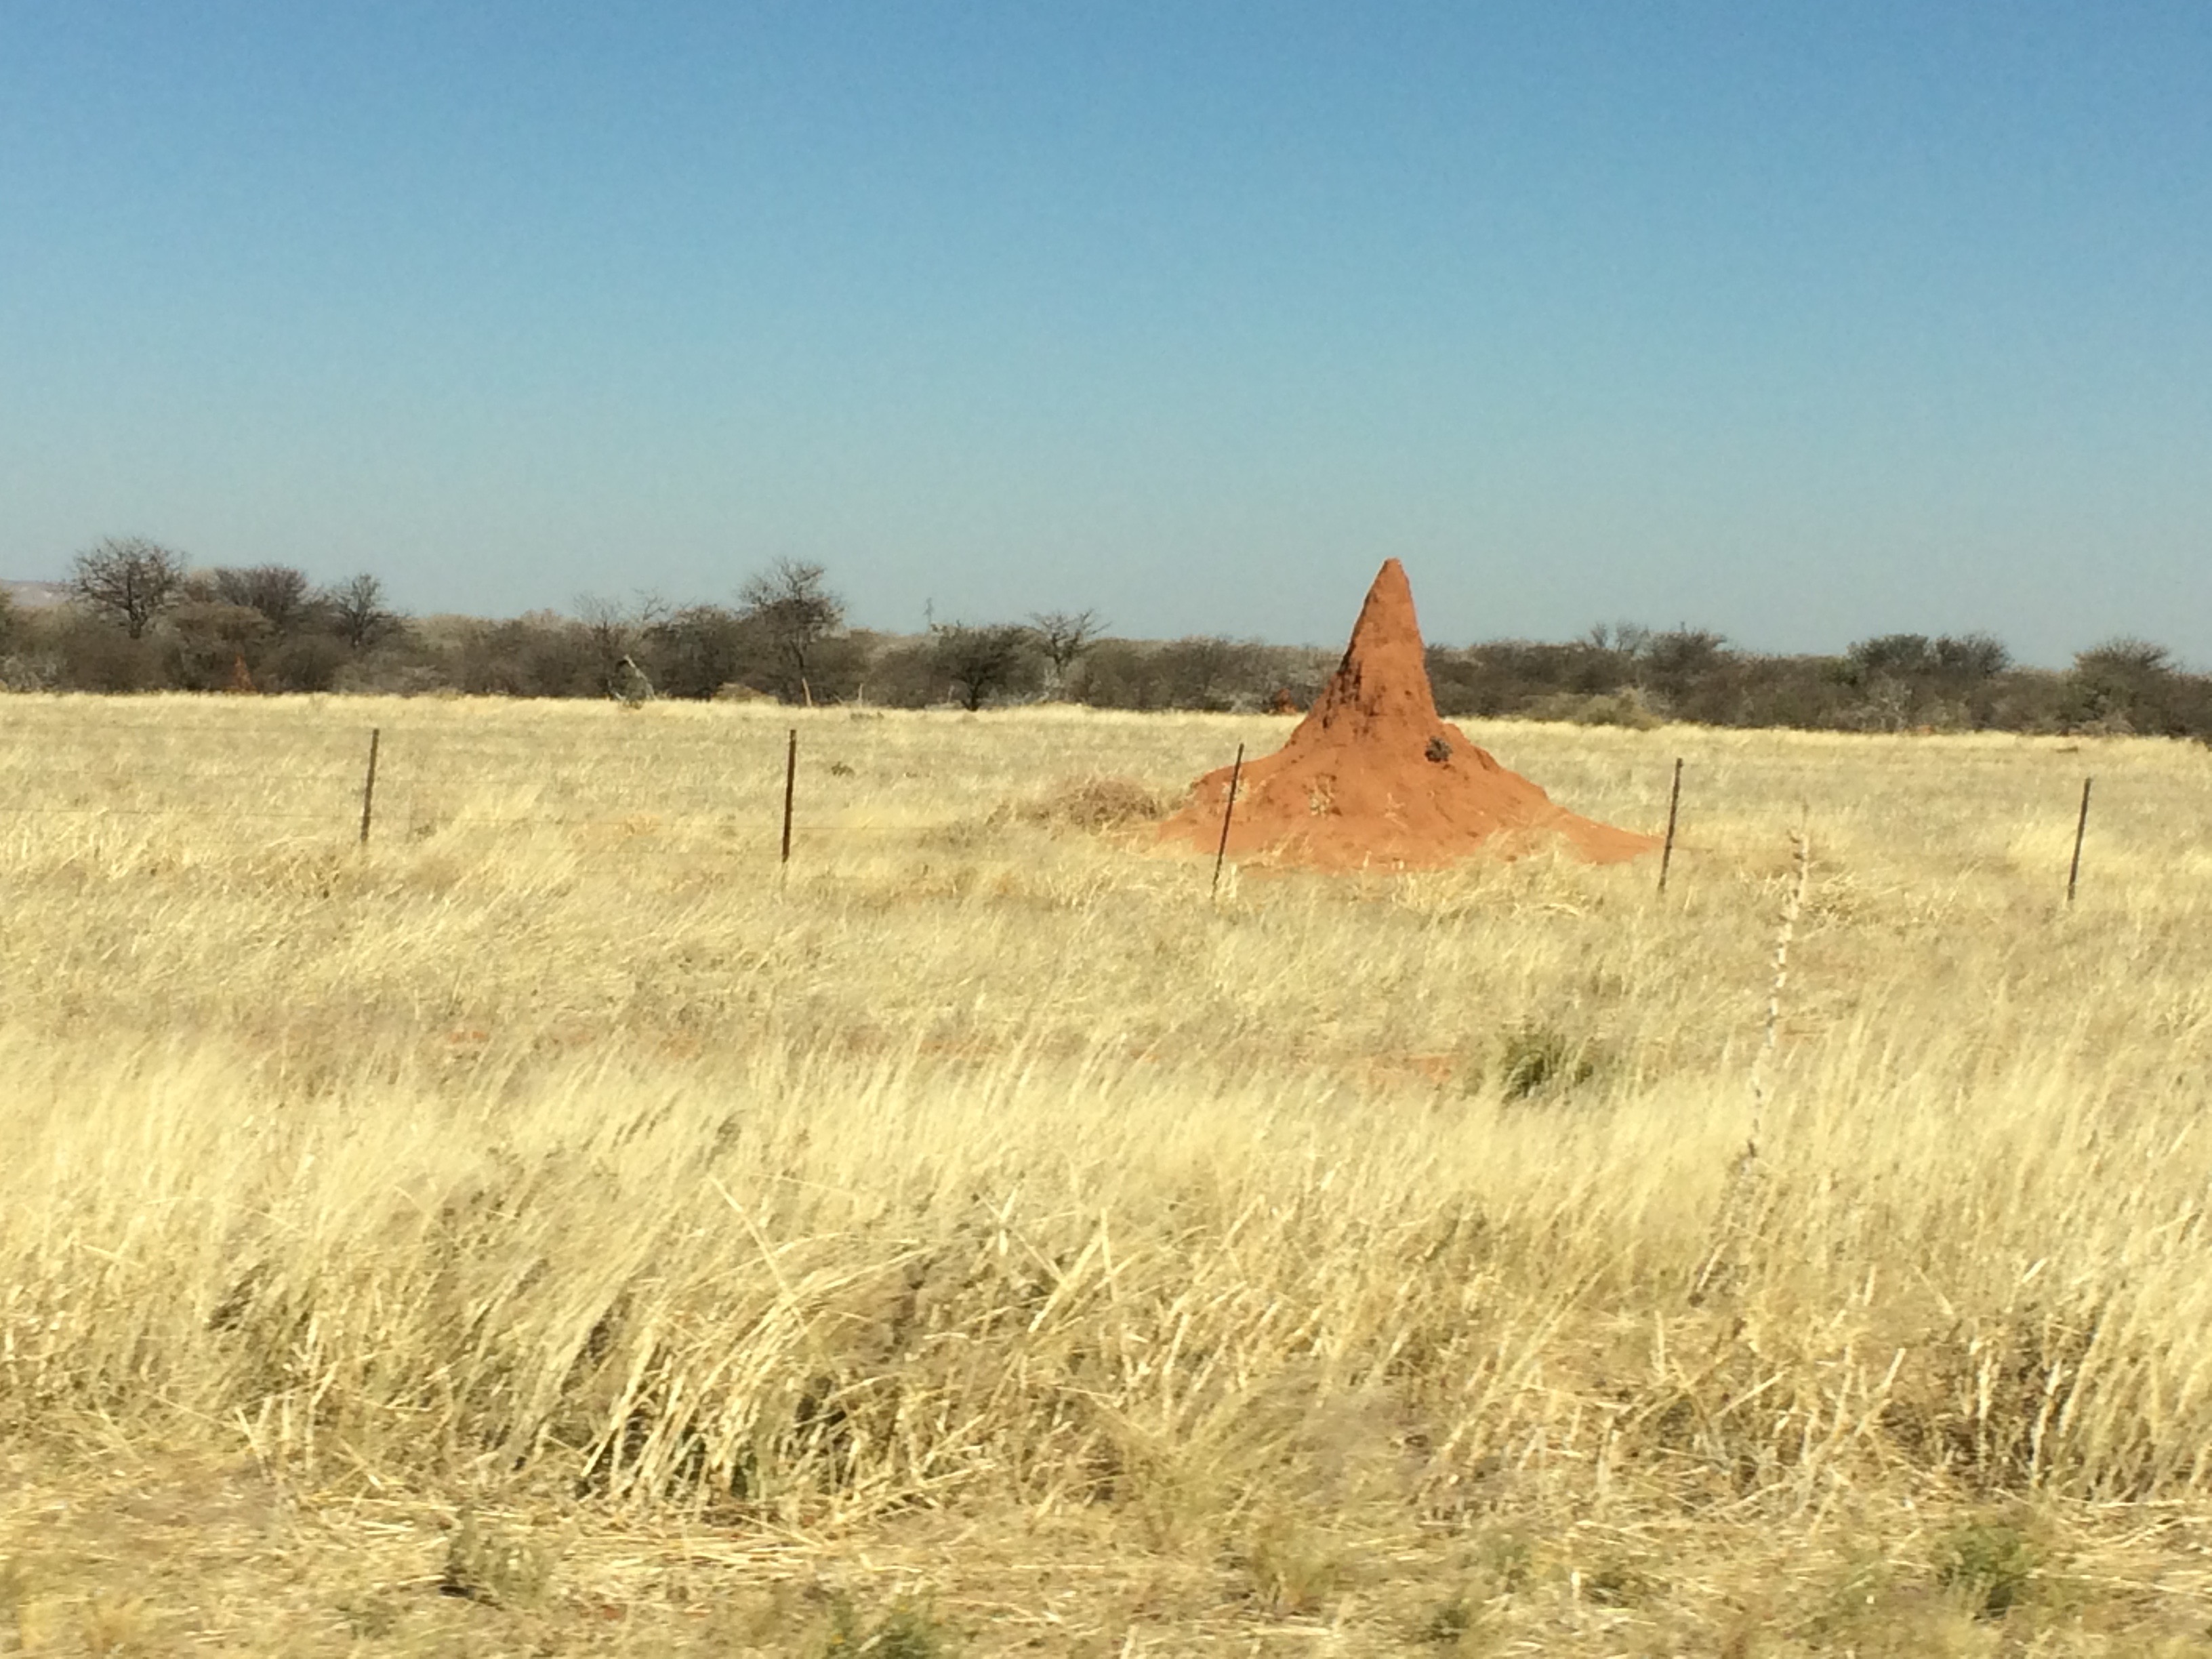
pixel 408 802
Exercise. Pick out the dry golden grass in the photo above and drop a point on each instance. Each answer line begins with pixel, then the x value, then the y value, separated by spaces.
pixel 973 1236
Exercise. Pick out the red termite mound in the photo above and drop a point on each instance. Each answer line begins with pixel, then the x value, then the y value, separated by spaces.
pixel 1373 778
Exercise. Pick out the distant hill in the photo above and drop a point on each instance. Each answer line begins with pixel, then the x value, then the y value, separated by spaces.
pixel 35 596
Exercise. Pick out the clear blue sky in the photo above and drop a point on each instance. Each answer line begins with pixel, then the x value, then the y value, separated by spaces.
pixel 1798 321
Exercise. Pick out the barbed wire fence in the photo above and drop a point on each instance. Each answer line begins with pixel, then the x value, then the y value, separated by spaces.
pixel 382 785
pixel 397 785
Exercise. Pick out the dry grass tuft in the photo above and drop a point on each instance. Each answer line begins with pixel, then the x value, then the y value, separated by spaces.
pixel 1097 802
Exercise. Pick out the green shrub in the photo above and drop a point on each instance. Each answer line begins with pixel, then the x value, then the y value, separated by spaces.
pixel 905 1630
pixel 1536 1059
pixel 1991 1563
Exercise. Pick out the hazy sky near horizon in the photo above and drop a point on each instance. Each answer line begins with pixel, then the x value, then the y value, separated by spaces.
pixel 1800 322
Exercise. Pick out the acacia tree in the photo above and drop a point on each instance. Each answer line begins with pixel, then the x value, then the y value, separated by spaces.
pixel 128 580
pixel 280 592
pixel 1063 636
pixel 980 662
pixel 1972 657
pixel 2126 682
pixel 792 606
pixel 697 650
pixel 1208 671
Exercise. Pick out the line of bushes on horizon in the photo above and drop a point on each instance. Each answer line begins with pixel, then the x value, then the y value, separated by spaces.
pixel 139 619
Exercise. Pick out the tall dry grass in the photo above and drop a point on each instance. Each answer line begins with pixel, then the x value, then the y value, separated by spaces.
pixel 981 1160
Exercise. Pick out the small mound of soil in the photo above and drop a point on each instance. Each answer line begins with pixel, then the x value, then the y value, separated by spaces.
pixel 1373 777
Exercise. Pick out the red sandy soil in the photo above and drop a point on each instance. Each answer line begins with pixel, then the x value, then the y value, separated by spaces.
pixel 1372 778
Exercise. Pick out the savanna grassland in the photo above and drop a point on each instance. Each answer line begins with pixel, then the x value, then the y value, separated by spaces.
pixel 549 1229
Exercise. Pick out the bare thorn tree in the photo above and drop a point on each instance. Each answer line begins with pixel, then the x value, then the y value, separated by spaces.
pixel 618 633
pixel 792 604
pixel 128 580
pixel 609 626
pixel 1063 636
pixel 357 612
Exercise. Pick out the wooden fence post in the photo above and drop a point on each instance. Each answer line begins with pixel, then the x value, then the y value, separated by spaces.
pixel 2081 828
pixel 1228 810
pixel 1673 807
pixel 790 788
pixel 368 785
